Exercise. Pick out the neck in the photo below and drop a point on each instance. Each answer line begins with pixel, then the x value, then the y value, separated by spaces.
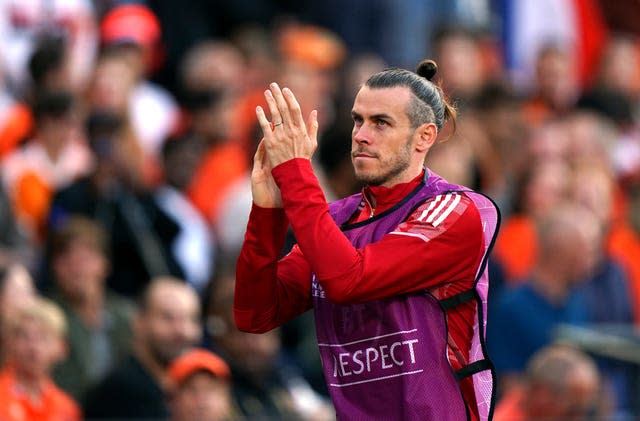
pixel 404 177
pixel 53 147
pixel 550 283
pixel 378 199
pixel 89 308
pixel 29 384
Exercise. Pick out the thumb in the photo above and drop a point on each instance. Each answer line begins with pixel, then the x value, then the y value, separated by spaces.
pixel 258 158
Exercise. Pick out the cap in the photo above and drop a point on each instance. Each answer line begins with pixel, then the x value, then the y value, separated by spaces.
pixel 130 23
pixel 197 360
pixel 314 45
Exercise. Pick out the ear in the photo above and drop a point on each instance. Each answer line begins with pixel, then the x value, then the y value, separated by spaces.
pixel 59 349
pixel 63 349
pixel 426 136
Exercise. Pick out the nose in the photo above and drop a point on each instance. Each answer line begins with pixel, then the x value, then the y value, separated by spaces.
pixel 360 135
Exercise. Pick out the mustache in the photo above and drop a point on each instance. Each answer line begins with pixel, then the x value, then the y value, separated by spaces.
pixel 363 151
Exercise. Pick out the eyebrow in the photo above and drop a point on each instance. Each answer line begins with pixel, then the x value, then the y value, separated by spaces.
pixel 381 116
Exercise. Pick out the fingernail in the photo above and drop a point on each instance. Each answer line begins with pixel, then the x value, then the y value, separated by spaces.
pixel 274 85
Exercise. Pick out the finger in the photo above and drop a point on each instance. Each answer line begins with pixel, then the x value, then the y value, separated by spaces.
pixel 276 118
pixel 262 120
pixel 281 103
pixel 294 109
pixel 313 125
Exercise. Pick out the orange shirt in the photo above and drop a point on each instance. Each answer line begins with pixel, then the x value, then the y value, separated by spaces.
pixel 53 405
pixel 219 169
pixel 624 246
pixel 517 247
pixel 509 407
pixel 15 127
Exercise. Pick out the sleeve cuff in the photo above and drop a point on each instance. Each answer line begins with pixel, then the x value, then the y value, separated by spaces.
pixel 292 169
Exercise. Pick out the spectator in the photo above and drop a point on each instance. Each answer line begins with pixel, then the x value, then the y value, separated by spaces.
pixel 530 25
pixel 560 383
pixel 310 58
pixel 200 387
pixel 223 161
pixel 165 325
pixel 458 52
pixel 141 233
pixel 526 315
pixel 52 160
pixel 607 288
pixel 34 339
pixel 261 65
pixel 49 68
pixel 542 187
pixel 264 383
pixel 49 65
pixel 618 67
pixel 499 114
pixel 99 321
pixel 211 88
pixel 132 31
pixel 555 89
pixel 194 246
pixel 23 22
pixel 213 64
pixel 113 83
pixel 469 157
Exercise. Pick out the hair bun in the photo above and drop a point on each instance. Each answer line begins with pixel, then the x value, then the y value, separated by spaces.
pixel 427 69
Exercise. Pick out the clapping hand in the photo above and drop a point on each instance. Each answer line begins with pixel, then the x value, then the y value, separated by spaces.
pixel 287 136
pixel 284 138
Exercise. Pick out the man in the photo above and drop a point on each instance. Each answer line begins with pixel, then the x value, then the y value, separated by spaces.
pixel 561 383
pixel 200 387
pixel 99 320
pixel 395 274
pixel 53 159
pixel 140 232
pixel 265 385
pixel 165 326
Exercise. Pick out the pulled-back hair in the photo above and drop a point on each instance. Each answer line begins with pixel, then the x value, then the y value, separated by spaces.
pixel 428 104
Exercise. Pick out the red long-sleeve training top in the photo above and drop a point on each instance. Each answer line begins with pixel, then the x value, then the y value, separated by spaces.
pixel 437 252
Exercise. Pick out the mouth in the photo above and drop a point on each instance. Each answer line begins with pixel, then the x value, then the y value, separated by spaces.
pixel 362 155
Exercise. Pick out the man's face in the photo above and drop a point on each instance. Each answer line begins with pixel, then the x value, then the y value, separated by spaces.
pixel 382 137
pixel 80 270
pixel 202 397
pixel 170 324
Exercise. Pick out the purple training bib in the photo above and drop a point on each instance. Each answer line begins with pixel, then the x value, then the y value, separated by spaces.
pixel 387 359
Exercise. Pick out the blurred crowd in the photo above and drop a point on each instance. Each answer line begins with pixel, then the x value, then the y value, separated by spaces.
pixel 127 133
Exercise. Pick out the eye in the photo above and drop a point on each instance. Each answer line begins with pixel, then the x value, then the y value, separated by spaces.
pixel 381 123
pixel 357 120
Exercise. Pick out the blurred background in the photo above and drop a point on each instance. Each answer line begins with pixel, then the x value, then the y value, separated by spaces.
pixel 127 132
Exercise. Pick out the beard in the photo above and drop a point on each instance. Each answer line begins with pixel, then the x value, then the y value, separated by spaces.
pixel 391 166
pixel 164 353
